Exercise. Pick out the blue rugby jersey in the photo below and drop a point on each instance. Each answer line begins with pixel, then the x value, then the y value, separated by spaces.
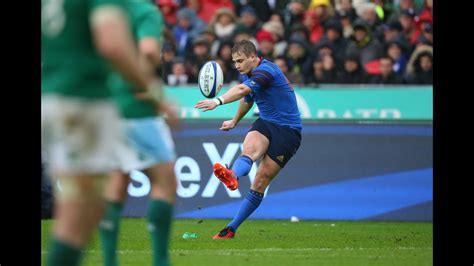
pixel 273 95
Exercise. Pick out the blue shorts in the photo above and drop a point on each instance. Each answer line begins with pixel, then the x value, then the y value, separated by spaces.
pixel 151 142
pixel 284 141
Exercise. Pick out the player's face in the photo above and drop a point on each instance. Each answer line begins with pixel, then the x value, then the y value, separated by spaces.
pixel 242 63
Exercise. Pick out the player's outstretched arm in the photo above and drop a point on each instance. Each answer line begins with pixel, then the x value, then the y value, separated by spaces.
pixel 235 93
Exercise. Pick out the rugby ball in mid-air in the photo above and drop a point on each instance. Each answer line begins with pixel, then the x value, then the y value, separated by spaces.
pixel 211 79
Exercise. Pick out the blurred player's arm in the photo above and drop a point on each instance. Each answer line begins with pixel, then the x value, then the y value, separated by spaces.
pixel 114 42
pixel 150 51
pixel 150 58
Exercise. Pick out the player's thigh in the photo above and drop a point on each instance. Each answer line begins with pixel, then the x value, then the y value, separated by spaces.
pixel 116 186
pixel 162 174
pixel 255 144
pixel 163 181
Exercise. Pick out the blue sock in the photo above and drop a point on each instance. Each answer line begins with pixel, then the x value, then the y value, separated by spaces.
pixel 249 205
pixel 242 166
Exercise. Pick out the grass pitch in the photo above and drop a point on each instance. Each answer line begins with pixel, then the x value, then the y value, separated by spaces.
pixel 274 242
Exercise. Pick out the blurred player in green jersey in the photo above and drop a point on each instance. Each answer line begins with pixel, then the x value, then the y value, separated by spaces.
pixel 80 128
pixel 150 136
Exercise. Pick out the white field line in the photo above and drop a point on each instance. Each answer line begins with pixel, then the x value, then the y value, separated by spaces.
pixel 236 251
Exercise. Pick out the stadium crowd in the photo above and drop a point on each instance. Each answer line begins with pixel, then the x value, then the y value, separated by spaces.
pixel 313 41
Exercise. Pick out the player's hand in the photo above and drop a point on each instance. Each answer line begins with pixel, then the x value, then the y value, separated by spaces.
pixel 206 105
pixel 228 125
pixel 170 113
pixel 153 93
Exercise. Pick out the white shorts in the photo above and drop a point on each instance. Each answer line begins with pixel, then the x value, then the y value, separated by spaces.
pixel 80 136
pixel 152 142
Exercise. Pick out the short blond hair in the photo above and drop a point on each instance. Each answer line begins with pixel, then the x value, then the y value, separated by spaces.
pixel 245 47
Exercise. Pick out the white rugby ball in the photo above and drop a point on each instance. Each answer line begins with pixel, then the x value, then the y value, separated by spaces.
pixel 211 79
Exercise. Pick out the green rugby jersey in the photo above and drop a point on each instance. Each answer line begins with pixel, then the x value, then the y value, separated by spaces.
pixel 147 22
pixel 71 65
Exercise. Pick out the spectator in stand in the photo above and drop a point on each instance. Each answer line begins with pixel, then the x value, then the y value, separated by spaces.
pixel 276 16
pixel 368 14
pixel 421 48
pixel 211 38
pixel 315 29
pixel 292 14
pixel 363 44
pixel 326 48
pixel 317 75
pixel 295 78
pixel 353 72
pixel 299 57
pixel 168 36
pixel 346 9
pixel 422 69
pixel 168 55
pixel 387 75
pixel 206 9
pixel 344 19
pixel 407 20
pixel 427 11
pixel 426 36
pixel 200 55
pixel 266 44
pixel 298 29
pixel 249 19
pixel 189 26
pixel 398 52
pixel 228 75
pixel 264 8
pixel 334 36
pixel 403 5
pixel 423 24
pixel 168 8
pixel 178 75
pixel 278 32
pixel 329 70
pixel 224 54
pixel 323 9
pixel 224 22
pixel 393 31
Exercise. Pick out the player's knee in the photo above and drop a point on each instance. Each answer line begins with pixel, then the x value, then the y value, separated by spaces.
pixel 251 150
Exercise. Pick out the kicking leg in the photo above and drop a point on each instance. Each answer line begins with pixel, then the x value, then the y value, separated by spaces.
pixel 267 170
pixel 255 146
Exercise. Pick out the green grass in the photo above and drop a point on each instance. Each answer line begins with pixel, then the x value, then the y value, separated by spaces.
pixel 275 243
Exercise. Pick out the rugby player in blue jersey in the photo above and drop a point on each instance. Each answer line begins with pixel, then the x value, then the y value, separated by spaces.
pixel 274 137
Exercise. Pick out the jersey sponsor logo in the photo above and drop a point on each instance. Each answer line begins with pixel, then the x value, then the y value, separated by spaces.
pixel 252 83
pixel 280 158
